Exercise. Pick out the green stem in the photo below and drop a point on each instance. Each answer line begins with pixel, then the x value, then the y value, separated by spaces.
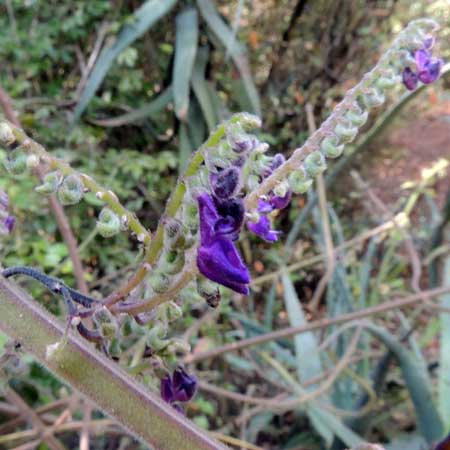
pixel 145 415
pixel 89 183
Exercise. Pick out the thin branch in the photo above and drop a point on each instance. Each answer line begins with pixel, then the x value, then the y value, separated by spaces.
pixel 55 207
pixel 317 324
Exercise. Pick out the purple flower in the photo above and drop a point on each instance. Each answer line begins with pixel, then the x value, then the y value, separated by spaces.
pixel 217 257
pixel 280 202
pixel 181 387
pixel 263 229
pixel 428 68
pixel 9 223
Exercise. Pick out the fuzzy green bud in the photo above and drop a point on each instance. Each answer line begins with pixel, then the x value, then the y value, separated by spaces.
pixel 16 163
pixel 108 223
pixel 299 181
pixel 315 164
pixel 159 282
pixel 172 262
pixel 6 134
pixel 247 121
pixel 209 291
pixel 357 117
pixel 50 183
pixel 331 147
pixel 346 132
pixel 71 190
pixel 106 323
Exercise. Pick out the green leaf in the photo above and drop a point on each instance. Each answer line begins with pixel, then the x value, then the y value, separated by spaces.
pixel 202 89
pixel 142 20
pixel 306 348
pixel 237 51
pixel 444 372
pixel 185 148
pixel 151 110
pixel 417 382
pixel 185 50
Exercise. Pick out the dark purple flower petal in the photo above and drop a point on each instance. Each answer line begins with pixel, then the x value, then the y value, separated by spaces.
pixel 226 183
pixel 431 72
pixel 221 262
pixel 178 408
pixel 410 79
pixel 277 161
pixel 263 229
pixel 422 58
pixel 9 223
pixel 231 216
pixel 208 218
pixel 184 385
pixel 281 202
pixel 167 393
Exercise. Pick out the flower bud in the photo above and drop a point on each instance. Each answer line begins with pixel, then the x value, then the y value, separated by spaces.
pixel 156 337
pixel 106 323
pixel 108 223
pixel 331 148
pixel 346 132
pixel 170 312
pixel 372 98
pixel 226 183
pixel 50 183
pixel 114 349
pixel 6 134
pixel 71 190
pixel 159 282
pixel 172 262
pixel 174 234
pixel 178 346
pixel 209 291
pixel 299 181
pixel 357 116
pixel 16 163
pixel 315 164
pixel 281 189
pixel 248 121
pixel 239 140
pixel 32 161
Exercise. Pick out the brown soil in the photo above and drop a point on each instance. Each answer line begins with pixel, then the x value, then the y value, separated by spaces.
pixel 418 141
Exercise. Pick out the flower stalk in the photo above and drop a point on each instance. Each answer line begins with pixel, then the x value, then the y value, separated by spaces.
pixel 144 414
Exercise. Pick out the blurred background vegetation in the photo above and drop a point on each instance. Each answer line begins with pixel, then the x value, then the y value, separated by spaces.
pixel 116 105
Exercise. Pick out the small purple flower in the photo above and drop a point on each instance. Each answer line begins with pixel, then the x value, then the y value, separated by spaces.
pixel 263 229
pixel 217 257
pixel 9 223
pixel 428 68
pixel 280 202
pixel 181 387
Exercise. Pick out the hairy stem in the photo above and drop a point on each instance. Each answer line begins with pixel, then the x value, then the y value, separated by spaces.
pixel 79 364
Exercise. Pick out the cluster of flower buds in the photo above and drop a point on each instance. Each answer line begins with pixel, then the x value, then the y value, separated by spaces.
pixel 238 164
pixel 7 221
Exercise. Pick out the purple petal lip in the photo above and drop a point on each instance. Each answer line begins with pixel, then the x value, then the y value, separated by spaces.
pixel 431 71
pixel 264 207
pixel 184 385
pixel 410 79
pixel 263 229
pixel 281 202
pixel 444 444
pixel 221 262
pixel 226 182
pixel 422 58
pixel 167 393
pixel 217 257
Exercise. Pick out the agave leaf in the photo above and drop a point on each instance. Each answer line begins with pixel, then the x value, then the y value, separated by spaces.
pixel 185 148
pixel 417 382
pixel 237 51
pixel 202 89
pixel 185 50
pixel 142 20
pixel 444 372
pixel 151 110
